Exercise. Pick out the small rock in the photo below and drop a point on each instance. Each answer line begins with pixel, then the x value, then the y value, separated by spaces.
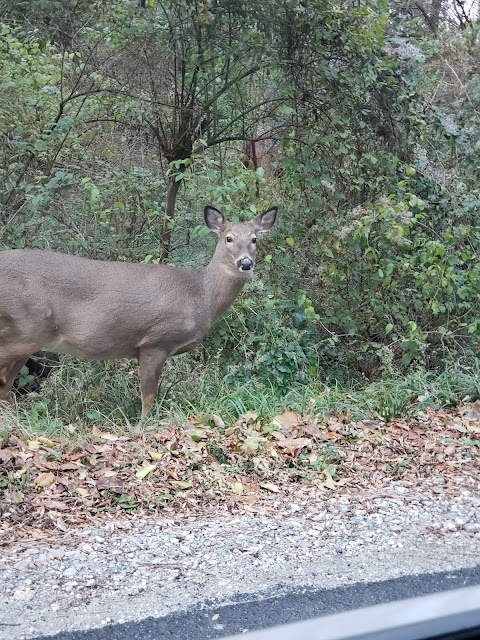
pixel 320 516
pixel 23 594
pixel 88 548
pixel 71 572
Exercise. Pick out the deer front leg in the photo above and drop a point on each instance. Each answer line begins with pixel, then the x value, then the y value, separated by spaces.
pixel 151 362
pixel 8 373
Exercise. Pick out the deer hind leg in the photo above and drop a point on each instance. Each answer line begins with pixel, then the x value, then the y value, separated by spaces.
pixel 8 373
pixel 151 363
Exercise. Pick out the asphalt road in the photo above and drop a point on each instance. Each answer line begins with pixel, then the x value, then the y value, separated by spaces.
pixel 217 620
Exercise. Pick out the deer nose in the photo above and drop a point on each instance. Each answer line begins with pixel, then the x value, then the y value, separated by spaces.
pixel 245 264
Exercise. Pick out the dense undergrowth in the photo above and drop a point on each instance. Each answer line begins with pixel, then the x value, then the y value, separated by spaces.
pixel 365 132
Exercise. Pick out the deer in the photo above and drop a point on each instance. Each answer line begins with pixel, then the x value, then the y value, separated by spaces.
pixel 102 310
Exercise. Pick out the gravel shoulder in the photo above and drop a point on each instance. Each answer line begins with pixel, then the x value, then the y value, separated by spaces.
pixel 93 577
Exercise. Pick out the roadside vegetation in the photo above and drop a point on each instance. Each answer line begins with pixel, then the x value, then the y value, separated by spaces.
pixel 120 121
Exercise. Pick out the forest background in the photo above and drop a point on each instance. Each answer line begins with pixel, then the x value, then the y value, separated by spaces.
pixel 120 121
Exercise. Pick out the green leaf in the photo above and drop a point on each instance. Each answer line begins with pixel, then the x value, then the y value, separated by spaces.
pixel 388 328
pixel 238 487
pixel 144 471
pixel 251 443
pixel 181 484
pixel 93 415
pixel 164 499
pixel 406 358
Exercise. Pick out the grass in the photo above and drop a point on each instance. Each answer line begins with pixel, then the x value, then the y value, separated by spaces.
pixel 77 395
pixel 212 463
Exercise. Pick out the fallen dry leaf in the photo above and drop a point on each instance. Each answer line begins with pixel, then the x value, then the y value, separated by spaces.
pixel 246 418
pixel 218 422
pixel 105 435
pixel 287 419
pixel 294 443
pixel 269 486
pixel 55 505
pixel 313 430
pixel 44 480
pixel 70 466
pixel 6 455
pixel 112 483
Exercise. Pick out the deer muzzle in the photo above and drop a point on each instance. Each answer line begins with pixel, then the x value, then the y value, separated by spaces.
pixel 245 264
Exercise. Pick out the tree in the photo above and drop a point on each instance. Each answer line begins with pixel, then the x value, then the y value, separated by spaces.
pixel 186 77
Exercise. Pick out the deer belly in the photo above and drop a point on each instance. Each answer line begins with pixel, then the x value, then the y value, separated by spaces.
pixel 191 336
pixel 92 351
pixel 187 347
pixel 174 338
pixel 60 345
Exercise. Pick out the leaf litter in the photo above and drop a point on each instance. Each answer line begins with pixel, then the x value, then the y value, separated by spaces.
pixel 49 485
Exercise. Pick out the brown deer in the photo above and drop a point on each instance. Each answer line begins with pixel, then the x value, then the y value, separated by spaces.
pixel 104 310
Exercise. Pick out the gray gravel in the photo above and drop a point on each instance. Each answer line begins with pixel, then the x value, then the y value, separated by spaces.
pixel 159 567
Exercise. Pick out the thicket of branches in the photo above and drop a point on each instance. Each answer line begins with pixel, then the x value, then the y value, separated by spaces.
pixel 119 121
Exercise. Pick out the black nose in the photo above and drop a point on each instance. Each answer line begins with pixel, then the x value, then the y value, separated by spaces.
pixel 245 264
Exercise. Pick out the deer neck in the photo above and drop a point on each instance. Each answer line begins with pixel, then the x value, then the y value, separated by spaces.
pixel 221 286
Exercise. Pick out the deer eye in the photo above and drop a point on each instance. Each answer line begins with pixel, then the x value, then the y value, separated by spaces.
pixel 254 240
pixel 229 239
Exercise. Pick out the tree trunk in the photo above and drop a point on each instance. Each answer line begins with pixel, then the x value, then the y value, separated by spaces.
pixel 435 12
pixel 166 230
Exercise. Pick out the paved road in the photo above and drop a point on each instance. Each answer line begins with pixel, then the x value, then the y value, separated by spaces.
pixel 218 620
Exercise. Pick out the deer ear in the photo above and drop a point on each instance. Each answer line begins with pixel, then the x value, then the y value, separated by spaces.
pixel 265 221
pixel 214 219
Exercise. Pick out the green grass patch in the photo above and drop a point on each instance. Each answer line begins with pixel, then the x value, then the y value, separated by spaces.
pixel 77 395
